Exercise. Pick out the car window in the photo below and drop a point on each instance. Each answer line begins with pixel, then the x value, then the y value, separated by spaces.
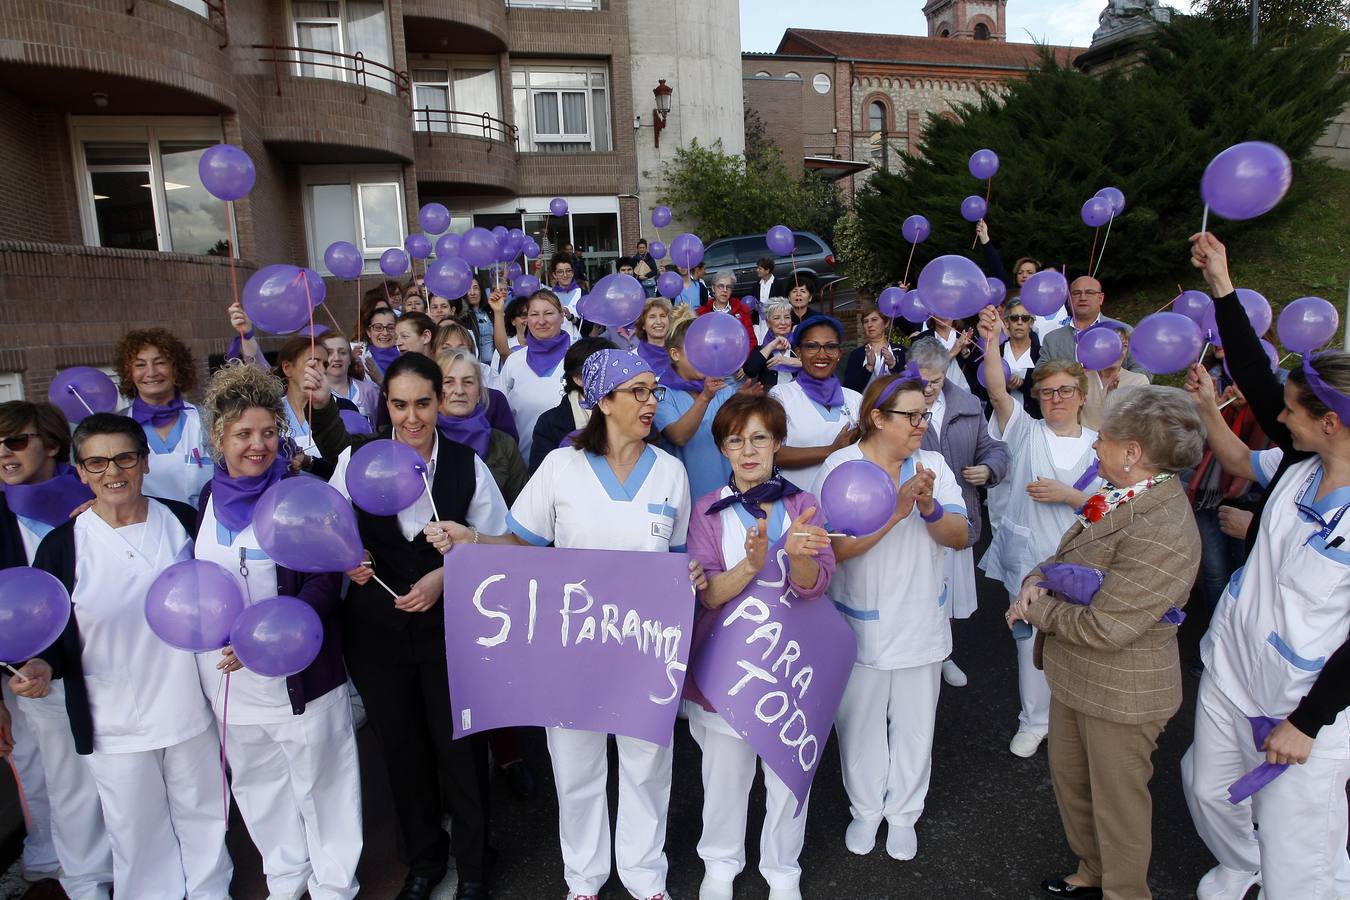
pixel 807 245
pixel 719 254
pixel 749 249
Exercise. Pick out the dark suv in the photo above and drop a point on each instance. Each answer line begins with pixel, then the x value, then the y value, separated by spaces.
pixel 739 254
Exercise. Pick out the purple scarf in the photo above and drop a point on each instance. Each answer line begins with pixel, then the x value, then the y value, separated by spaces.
pixel 828 392
pixel 656 357
pixel 673 380
pixel 236 497
pixel 49 502
pixel 776 488
pixel 157 416
pixel 384 356
pixel 473 430
pixel 543 355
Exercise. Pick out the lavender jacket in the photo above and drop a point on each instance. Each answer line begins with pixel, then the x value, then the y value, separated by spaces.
pixel 705 545
pixel 965 441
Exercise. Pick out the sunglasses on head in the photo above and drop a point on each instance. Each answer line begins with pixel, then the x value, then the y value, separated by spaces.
pixel 18 442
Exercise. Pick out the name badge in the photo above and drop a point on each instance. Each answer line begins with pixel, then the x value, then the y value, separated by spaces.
pixel 663 530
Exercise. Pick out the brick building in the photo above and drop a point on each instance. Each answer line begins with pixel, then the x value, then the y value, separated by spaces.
pixel 355 113
pixel 846 102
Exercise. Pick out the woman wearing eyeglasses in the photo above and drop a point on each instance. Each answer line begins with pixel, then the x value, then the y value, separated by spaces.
pixel 822 413
pixel 772 363
pixel 1051 475
pixel 137 712
pixel 889 586
pixel 381 351
pixel 532 381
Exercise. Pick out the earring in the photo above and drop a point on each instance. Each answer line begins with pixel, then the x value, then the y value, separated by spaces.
pixel 1127 467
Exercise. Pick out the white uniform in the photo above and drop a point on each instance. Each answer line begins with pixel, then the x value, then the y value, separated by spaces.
pixel 954 373
pixel 574 500
pixel 729 764
pixel 295 778
pixel 812 425
pixel 886 718
pixel 179 462
pixel 1282 615
pixel 1021 367
pixel 1029 532
pixel 300 433
pixel 529 395
pixel 156 756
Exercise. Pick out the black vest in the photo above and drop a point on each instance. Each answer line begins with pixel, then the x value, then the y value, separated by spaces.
pixel 12 552
pixel 399 562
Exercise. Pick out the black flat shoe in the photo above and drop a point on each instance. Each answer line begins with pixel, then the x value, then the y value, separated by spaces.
pixel 1058 887
pixel 471 890
pixel 419 887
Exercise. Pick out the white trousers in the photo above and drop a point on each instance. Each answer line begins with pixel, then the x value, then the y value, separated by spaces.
pixel 298 786
pixel 77 828
pixel 581 772
pixel 1300 844
pixel 39 852
pixel 1034 690
pixel 166 820
pixel 885 725
pixel 729 765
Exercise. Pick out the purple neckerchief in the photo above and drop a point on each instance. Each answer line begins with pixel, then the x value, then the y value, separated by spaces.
pixel 236 497
pixel 769 491
pixel 383 356
pixel 354 422
pixel 828 392
pixel 569 438
pixel 1089 475
pixel 157 416
pixel 473 430
pixel 676 382
pixel 1331 398
pixel 49 502
pixel 655 355
pixel 543 355
pixel 1263 774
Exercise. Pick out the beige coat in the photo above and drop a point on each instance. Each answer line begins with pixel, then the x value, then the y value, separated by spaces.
pixel 1094 405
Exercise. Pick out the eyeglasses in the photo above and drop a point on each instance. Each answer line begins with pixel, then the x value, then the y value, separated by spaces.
pixel 1085 293
pixel 1020 317
pixel 735 442
pixel 18 442
pixel 642 393
pixel 380 329
pixel 722 286
pixel 1064 393
pixel 95 465
pixel 827 349
pixel 916 417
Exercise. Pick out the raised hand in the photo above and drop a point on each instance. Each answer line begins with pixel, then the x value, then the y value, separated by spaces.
pixel 1211 258
pixel 239 319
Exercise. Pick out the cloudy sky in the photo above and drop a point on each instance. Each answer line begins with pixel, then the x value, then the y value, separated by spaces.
pixel 1056 21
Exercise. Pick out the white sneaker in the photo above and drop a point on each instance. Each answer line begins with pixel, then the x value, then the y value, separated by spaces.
pixel 1223 883
pixel 785 893
pixel 901 842
pixel 861 836
pixel 714 889
pixel 1025 743
pixel 952 674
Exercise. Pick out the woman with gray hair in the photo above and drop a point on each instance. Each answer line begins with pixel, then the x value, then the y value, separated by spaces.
pixel 463 417
pixel 1107 605
pixel 773 362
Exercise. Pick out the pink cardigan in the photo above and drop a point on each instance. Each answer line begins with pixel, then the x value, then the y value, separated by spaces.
pixel 705 545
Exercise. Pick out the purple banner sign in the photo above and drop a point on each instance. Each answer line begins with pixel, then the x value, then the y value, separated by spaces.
pixel 775 666
pixel 596 640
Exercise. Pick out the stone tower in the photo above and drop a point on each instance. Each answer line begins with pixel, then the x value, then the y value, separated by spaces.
pixel 980 20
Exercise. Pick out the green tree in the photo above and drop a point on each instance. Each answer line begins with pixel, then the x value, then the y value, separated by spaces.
pixel 854 258
pixel 1063 135
pixel 1279 21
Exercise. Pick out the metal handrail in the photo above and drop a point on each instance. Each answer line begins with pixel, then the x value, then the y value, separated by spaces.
pixel 494 129
pixel 361 68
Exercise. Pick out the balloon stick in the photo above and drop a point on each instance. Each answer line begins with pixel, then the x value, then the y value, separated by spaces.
pixel 334 320
pixel 1092 254
pixel 15 672
pixel 375 578
pixel 421 470
pixel 1204 220
pixel 1106 238
pixel 913 245
pixel 229 247
pixel 71 388
pixel 827 534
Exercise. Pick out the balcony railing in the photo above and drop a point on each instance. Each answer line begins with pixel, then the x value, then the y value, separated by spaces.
pixel 213 10
pixel 452 121
pixel 349 67
pixel 553 4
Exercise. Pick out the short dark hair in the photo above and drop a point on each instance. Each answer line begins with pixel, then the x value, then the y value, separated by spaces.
pixel 413 364
pixel 516 308
pixel 741 407
pixel 576 357
pixel 627 261
pixel 765 262
pixel 642 241
pixel 46 419
pixel 806 280
pixel 109 423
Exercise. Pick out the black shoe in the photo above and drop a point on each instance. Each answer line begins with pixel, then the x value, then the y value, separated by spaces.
pixel 419 887
pixel 1058 887
pixel 521 779
pixel 471 890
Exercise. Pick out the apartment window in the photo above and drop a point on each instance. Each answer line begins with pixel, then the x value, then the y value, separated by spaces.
pixel 197 6
pixel 452 95
pixel 360 204
pixel 139 185
pixel 326 28
pixel 11 386
pixel 554 4
pixel 561 109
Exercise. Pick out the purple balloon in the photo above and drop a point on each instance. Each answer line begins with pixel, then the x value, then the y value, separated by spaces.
pixel 998 291
pixel 916 229
pixel 857 498
pixel 434 218
pixel 1045 292
pixel 657 250
pixel 525 286
pixel 226 172
pixel 889 302
pixel 530 250
pixel 344 260
pixel 973 208
pixel 1096 211
pixel 716 344
pixel 314 330
pixel 449 277
pixel 192 605
pixel 448 244
pixel 277 637
pixel 385 477
pixel 781 240
pixel 912 308
pixel 281 298
pixel 34 609
pixel 500 232
pixel 354 422
pixel 1307 323
pixel 669 285
pixel 1007 374
pixel 953 287
pixel 306 525
pixel 81 391
pixel 686 251
pixel 418 246
pixel 393 262
pixel 1257 309
pixel 751 302
pixel 1099 348
pixel 479 247
pixel 660 217
pixel 1116 197
pixel 1246 180
pixel 616 301
pixel 1192 305
pixel 1166 342
pixel 983 164
pixel 514 271
pixel 557 206
pixel 517 239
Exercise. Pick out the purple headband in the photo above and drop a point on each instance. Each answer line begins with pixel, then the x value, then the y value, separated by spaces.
pixel 1330 397
pixel 909 373
pixel 605 370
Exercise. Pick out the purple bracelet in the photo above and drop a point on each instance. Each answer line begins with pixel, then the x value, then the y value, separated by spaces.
pixel 935 516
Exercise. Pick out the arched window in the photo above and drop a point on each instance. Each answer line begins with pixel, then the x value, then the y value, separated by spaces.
pixel 793 76
pixel 762 75
pixel 876 116
pixel 981 31
pixel 944 31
